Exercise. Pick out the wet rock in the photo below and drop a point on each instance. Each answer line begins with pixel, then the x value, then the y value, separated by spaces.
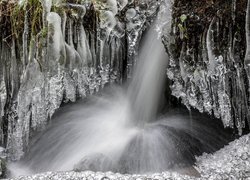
pixel 95 162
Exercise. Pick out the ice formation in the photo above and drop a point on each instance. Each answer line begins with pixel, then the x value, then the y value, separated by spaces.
pixel 78 49
pixel 47 4
pixel 130 14
pixel 231 162
pixel 56 48
pixel 247 57
pixel 122 3
pixel 207 69
pixel 108 20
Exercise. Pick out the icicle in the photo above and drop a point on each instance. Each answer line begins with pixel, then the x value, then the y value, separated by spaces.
pixel 101 53
pixel 122 3
pixel 1 120
pixel 210 46
pixel 247 56
pixel 233 10
pixel 70 33
pixel 164 23
pixel 83 47
pixel 64 20
pixel 119 30
pixel 218 28
pixel 57 48
pixel 110 5
pixel 80 10
pixel 46 4
pixel 181 64
pixel 32 50
pixel 25 40
pixel 57 3
pixel 54 21
pixel 2 95
pixel 108 21
pixel 130 14
pixel 72 59
pixel 15 81
pixel 93 50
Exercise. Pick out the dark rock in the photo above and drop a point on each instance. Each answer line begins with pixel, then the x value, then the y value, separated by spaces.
pixel 95 162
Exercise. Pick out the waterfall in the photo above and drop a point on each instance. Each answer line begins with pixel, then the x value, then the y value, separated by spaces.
pixel 119 131
pixel 102 128
pixel 146 86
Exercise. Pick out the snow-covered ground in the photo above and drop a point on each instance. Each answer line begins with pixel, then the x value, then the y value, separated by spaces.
pixel 231 162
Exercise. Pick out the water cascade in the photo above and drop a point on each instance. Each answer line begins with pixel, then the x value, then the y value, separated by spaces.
pixel 119 131
pixel 147 83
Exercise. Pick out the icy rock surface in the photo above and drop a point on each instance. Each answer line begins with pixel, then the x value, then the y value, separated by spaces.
pixel 79 49
pixel 207 62
pixel 136 18
pixel 231 162
pixel 2 96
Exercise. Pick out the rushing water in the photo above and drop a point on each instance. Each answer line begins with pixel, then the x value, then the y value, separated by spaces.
pixel 146 86
pixel 119 131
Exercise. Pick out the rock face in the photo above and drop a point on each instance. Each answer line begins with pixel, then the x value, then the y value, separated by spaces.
pixel 53 52
pixel 207 50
